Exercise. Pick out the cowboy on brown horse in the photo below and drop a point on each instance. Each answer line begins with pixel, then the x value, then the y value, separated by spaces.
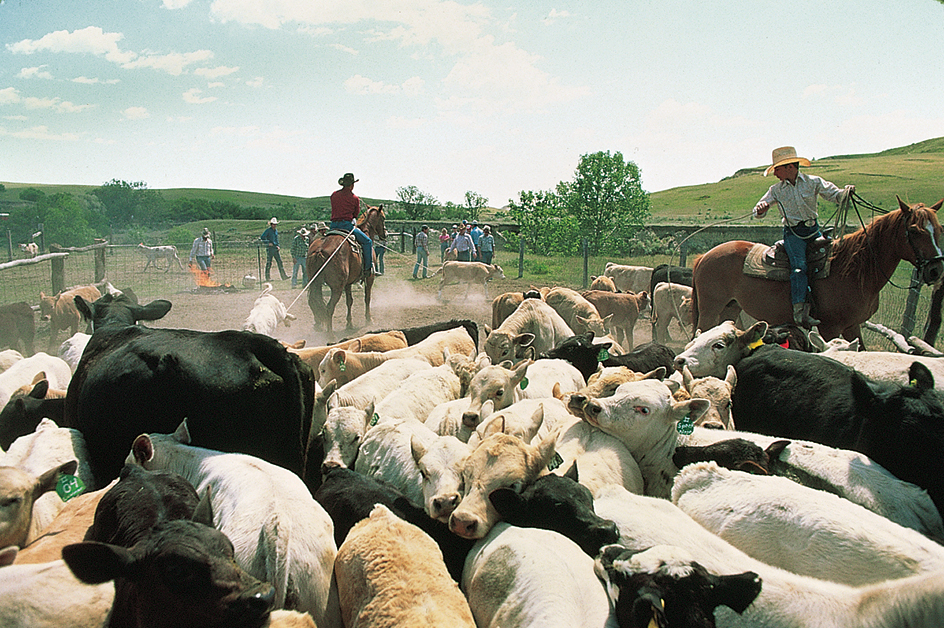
pixel 345 207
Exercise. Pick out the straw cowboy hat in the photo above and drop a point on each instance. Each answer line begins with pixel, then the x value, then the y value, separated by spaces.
pixel 347 179
pixel 785 155
pixel 206 231
pixel 274 221
pixel 303 232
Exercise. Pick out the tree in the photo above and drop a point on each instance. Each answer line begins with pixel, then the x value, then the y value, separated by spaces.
pixel 474 204
pixel 415 203
pixel 607 200
pixel 543 224
pixel 125 202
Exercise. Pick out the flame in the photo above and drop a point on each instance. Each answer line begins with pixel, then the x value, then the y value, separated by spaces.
pixel 202 277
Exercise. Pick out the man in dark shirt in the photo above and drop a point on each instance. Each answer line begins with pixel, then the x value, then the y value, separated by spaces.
pixel 271 237
pixel 345 206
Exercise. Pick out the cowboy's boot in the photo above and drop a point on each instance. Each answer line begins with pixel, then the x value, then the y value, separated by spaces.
pixel 801 316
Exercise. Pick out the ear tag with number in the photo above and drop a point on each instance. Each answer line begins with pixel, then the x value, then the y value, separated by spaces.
pixel 524 383
pixel 555 462
pixel 374 419
pixel 603 355
pixel 686 425
pixel 342 367
pixel 69 486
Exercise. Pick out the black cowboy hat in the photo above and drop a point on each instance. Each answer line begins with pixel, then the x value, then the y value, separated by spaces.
pixel 347 179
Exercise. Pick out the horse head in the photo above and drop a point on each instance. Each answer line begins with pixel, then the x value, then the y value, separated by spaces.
pixel 924 236
pixel 373 223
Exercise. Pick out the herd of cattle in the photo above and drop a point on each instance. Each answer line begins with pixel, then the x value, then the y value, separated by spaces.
pixel 546 472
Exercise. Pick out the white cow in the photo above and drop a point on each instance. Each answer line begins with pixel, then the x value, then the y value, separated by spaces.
pixel 628 278
pixel 670 300
pixel 533 577
pixel 24 371
pixel 266 314
pixel 786 599
pixel 30 249
pixel 771 518
pixel 8 357
pixel 710 352
pixel 72 348
pixel 887 366
pixel 533 324
pixel 168 253
pixel 281 534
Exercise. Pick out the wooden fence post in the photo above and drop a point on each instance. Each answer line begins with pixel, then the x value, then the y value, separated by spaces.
pixel 58 278
pixel 402 238
pixel 911 306
pixel 683 254
pixel 520 258
pixel 99 264
pixel 586 263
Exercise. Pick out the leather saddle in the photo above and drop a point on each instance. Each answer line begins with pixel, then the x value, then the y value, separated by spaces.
pixel 772 262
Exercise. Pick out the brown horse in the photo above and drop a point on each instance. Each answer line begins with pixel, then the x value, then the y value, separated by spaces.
pixel 340 270
pixel 862 263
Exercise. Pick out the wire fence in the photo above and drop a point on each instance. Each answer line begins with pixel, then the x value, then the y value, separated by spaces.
pixel 241 266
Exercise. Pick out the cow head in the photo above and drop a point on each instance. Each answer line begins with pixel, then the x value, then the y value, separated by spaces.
pixel 116 311
pixel 344 430
pixel 710 352
pixel 718 392
pixel 663 586
pixel 502 345
pixel 495 384
pixel 19 490
pixel 440 466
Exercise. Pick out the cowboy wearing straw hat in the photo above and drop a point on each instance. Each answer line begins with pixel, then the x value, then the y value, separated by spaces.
pixel 345 206
pixel 271 237
pixel 300 256
pixel 202 250
pixel 796 196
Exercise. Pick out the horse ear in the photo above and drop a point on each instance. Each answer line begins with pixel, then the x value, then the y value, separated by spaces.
pixel 904 207
pixel 937 205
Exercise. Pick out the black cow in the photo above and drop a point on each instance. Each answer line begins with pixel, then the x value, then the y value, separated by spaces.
pixel 349 496
pixel 21 415
pixel 182 573
pixel 418 334
pixel 580 351
pixel 737 454
pixel 670 274
pixel 644 358
pixel 241 392
pixel 17 327
pixel 807 396
pixel 788 336
pixel 557 503
pixel 669 596
pixel 139 501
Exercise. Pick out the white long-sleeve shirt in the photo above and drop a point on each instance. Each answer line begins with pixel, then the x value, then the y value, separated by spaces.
pixel 798 202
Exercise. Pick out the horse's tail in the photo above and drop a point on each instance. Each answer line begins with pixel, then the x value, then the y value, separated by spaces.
pixel 694 315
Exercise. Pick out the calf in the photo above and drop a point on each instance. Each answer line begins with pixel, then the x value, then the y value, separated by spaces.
pixel 581 352
pixel 670 300
pixel 149 577
pixel 415 335
pixel 716 391
pixel 497 461
pixel 468 273
pixel 24 372
pixel 18 492
pixel 577 311
pixel 266 314
pixel 62 312
pixel 30 249
pixel 390 573
pixel 602 283
pixel 167 253
pixel 628 278
pixel 624 308
pixel 72 348
pixel 282 535
pixel 648 589
pixel 17 327
pixel 644 358
pixel 27 407
pixel 381 341
pixel 532 577
pixel 798 395
pixel 712 351
pixel 769 517
pixel 534 324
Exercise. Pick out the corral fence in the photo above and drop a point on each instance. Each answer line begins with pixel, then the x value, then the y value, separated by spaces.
pixel 904 304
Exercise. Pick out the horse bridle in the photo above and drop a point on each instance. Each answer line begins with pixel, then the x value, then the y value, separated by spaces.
pixel 920 263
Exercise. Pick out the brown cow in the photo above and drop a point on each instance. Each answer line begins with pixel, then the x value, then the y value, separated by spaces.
pixel 381 341
pixel 625 307
pixel 61 312
pixel 468 273
pixel 17 327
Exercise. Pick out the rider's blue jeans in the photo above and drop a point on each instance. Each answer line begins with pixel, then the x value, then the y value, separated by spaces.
pixel 360 236
pixel 795 240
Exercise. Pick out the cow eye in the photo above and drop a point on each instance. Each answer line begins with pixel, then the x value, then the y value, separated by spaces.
pixel 517 486
pixel 499 392
pixel 718 346
pixel 641 409
pixel 10 501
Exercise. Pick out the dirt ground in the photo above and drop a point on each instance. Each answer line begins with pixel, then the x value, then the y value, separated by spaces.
pixel 397 302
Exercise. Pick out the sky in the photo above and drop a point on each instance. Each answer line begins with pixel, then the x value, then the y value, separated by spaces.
pixel 450 96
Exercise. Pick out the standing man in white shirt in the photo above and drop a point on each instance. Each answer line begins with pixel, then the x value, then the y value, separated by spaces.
pixel 422 252
pixel 796 196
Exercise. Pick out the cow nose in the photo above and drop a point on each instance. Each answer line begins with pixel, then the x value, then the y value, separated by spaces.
pixel 470 419
pixel 679 363
pixel 606 532
pixel 328 465
pixel 444 505
pixel 463 526
pixel 258 603
pixel 713 425
pixel 593 408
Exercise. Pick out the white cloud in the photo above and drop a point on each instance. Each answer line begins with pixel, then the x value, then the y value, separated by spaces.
pixel 256 82
pixel 192 96
pixel 841 95
pixel 9 96
pixel 41 132
pixel 555 15
pixel 358 84
pixel 173 63
pixel 136 113
pixel 38 72
pixel 95 81
pixel 217 72
pixel 216 84
pixel 343 48
pixel 17 118
pixel 55 104
pixel 175 4
pixel 90 40
pixel 399 122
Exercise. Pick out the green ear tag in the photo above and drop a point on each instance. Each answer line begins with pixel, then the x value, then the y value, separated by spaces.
pixel 913 383
pixel 69 486
pixel 603 355
pixel 686 425
pixel 342 367
pixel 524 383
pixel 555 462
pixel 374 419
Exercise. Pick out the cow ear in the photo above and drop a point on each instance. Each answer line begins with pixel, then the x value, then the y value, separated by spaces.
pixel 818 342
pixel 40 389
pixel 368 413
pixel 753 333
pixel 95 563
pixel 182 433
pixel 582 319
pixel 687 378
pixel 572 472
pixel 863 394
pixel 657 373
pixel 920 377
pixel 84 308
pixel 507 502
pixel 556 391
pixel 417 448
pixel 203 513
pixel 8 555
pixel 607 319
pixel 339 357
pixel 735 591
pixel 693 408
pixel 524 340
pixel 355 346
pixel 152 311
pixel 488 330
pixel 520 371
pixel 545 452
pixel 48 480
pixel 537 419
pixel 776 448
pixel 142 449
pixel 328 390
pixel 731 376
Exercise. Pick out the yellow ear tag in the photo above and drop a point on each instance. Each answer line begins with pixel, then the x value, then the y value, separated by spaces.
pixel 757 343
pixel 913 383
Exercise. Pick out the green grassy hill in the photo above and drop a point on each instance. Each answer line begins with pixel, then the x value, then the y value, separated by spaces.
pixel 913 172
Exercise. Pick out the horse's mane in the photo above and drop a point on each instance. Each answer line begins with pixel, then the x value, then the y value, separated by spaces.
pixel 858 253
pixel 364 221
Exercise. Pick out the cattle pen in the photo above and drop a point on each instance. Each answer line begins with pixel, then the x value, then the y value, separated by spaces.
pixel 237 267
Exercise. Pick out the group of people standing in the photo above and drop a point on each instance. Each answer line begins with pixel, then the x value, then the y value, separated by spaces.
pixel 471 244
